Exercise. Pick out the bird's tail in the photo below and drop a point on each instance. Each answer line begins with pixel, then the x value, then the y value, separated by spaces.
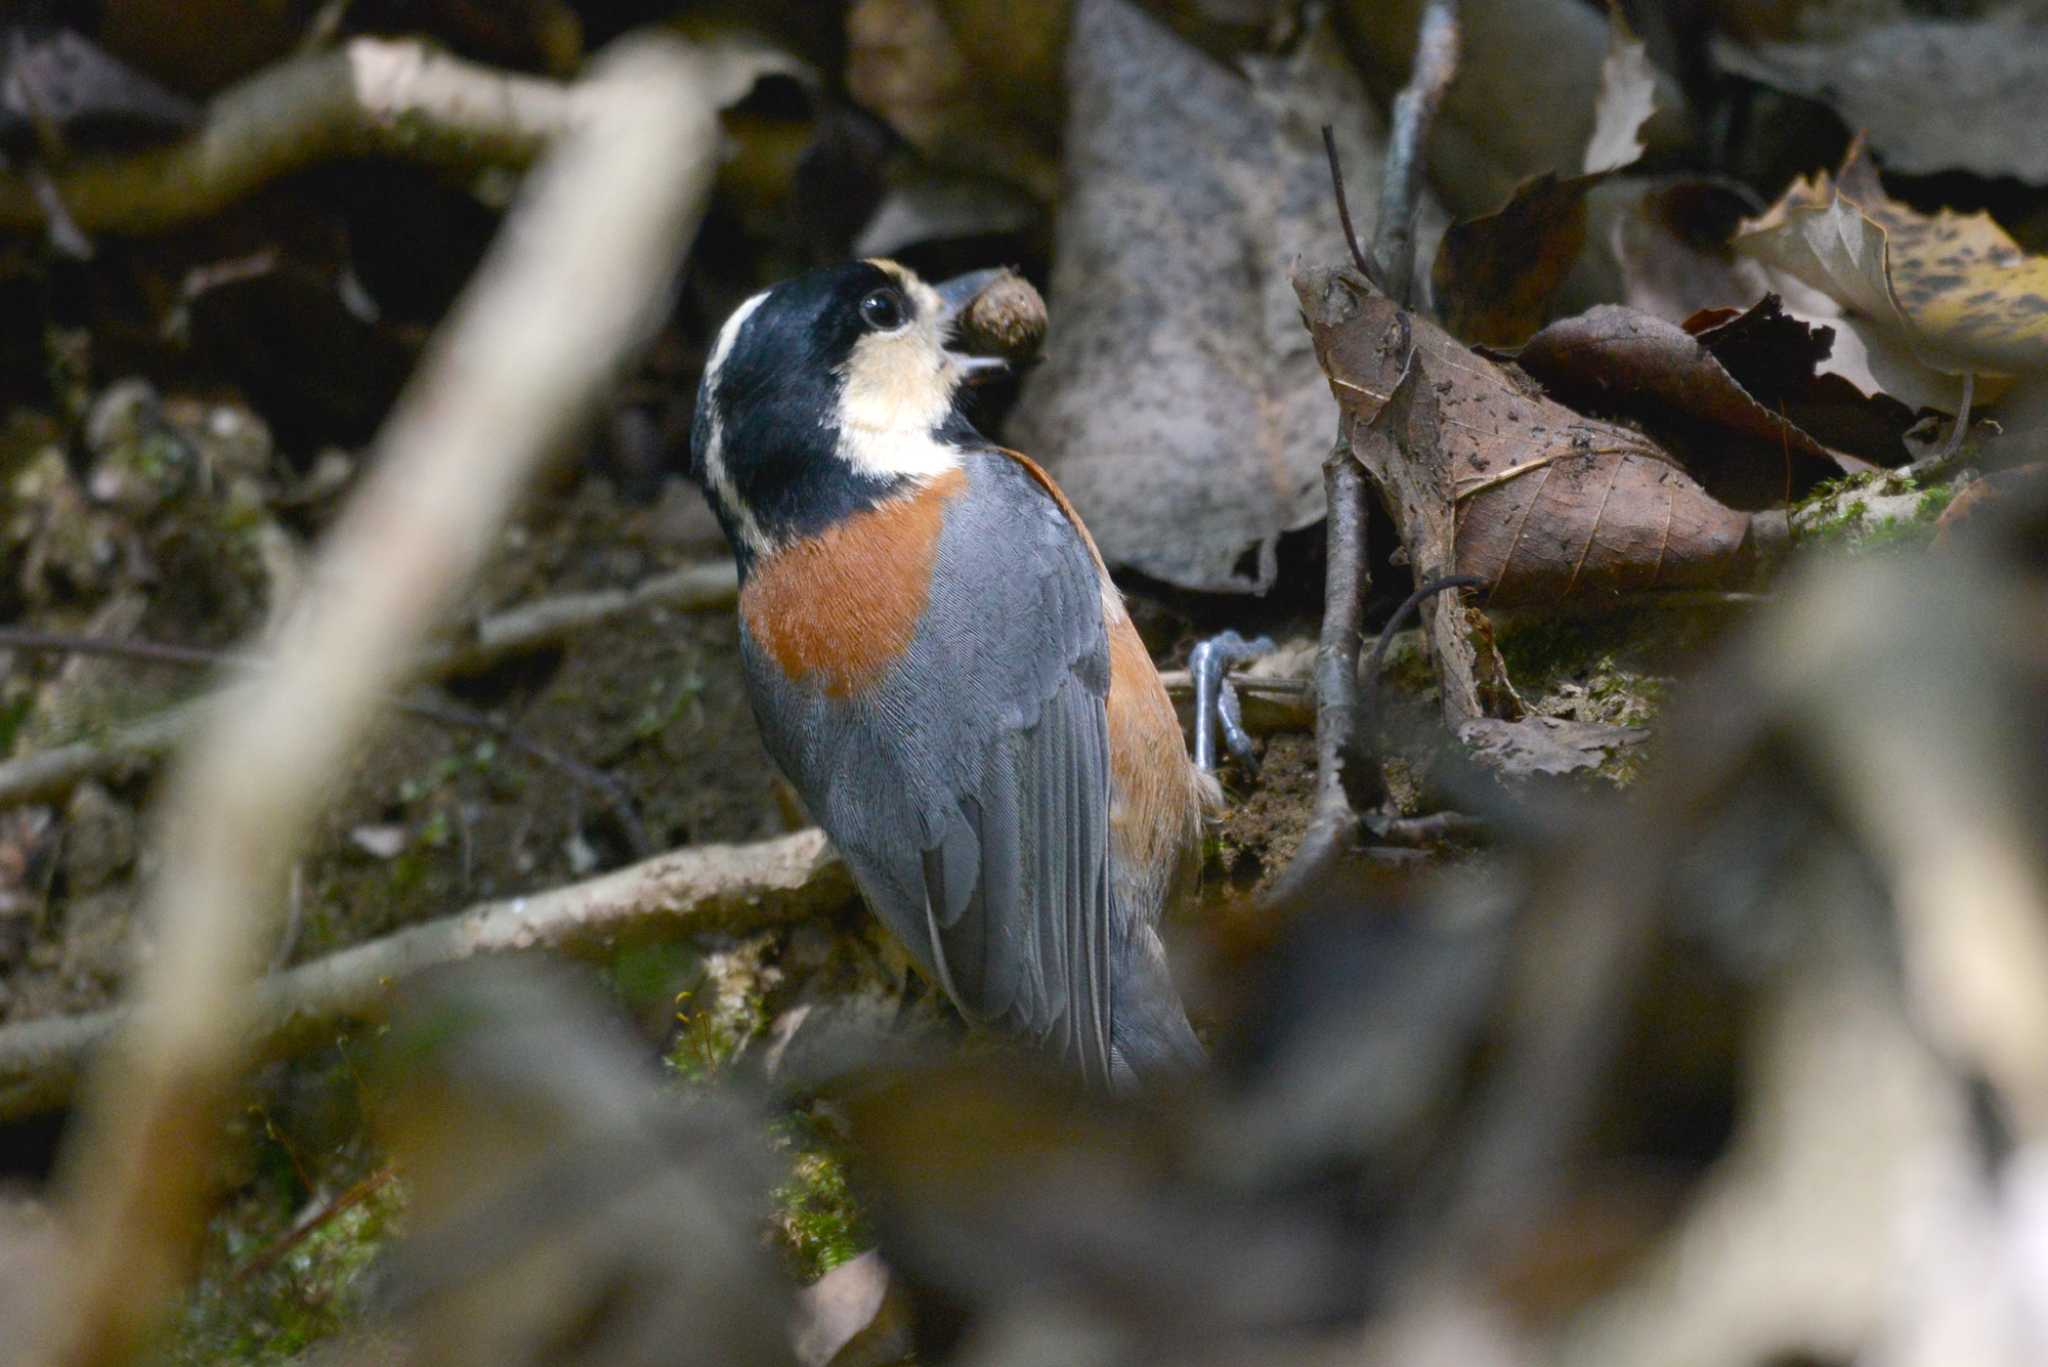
pixel 1150 1038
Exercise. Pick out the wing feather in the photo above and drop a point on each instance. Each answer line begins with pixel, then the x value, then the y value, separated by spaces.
pixel 969 791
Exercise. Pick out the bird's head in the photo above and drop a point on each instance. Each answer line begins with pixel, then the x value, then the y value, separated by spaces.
pixel 827 394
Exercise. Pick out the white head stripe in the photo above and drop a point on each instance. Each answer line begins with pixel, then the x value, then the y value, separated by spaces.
pixel 713 454
pixel 730 333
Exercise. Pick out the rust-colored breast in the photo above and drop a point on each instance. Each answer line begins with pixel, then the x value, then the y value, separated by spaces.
pixel 841 607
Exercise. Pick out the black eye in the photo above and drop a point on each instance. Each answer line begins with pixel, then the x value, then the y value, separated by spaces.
pixel 884 310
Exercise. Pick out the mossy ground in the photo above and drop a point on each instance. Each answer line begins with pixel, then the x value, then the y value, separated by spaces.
pixel 1880 511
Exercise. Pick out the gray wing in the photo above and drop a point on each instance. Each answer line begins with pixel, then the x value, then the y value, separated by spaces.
pixel 970 790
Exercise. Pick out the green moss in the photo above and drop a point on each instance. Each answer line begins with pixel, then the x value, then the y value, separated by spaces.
pixel 667 699
pixel 818 1223
pixel 257 1304
pixel 1879 511
pixel 723 1008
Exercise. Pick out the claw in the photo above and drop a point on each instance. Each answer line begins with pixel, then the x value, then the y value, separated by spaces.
pixel 1216 705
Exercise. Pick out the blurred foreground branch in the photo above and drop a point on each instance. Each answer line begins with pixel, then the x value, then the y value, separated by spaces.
pixel 569 289
pixel 726 887
pixel 369 96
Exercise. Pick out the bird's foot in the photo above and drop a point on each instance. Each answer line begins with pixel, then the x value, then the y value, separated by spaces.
pixel 1216 704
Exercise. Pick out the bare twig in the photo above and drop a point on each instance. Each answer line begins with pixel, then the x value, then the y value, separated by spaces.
pixel 704 587
pixel 1358 256
pixel 1334 823
pixel 526 627
pixel 1181 684
pixel 51 773
pixel 1378 660
pixel 704 887
pixel 1436 62
pixel 297 1234
pixel 571 286
pixel 114 647
pixel 608 789
pixel 1423 832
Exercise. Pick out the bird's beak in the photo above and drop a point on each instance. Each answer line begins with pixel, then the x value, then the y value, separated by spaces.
pixel 954 297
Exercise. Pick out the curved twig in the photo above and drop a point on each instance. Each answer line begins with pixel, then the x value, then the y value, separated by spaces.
pixel 705 887
pixel 529 626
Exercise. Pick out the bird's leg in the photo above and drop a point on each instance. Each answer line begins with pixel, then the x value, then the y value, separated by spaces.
pixel 1216 705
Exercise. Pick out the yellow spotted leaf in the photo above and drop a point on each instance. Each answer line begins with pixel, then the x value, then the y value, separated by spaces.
pixel 1953 288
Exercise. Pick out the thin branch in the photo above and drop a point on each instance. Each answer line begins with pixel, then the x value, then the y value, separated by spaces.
pixel 608 789
pixel 1333 825
pixel 1375 665
pixel 570 287
pixel 1180 684
pixel 704 887
pixel 530 626
pixel 297 1234
pixel 1436 62
pixel 1358 256
pixel 116 648
pixel 704 587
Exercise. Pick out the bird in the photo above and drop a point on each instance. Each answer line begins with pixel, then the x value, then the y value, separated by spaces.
pixel 941 666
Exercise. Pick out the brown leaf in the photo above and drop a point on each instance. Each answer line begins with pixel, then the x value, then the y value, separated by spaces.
pixel 1401 448
pixel 1620 361
pixel 1542 503
pixel 1495 276
pixel 1779 360
pixel 1559 245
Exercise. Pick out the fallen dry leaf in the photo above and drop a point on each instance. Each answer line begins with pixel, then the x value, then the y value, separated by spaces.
pixel 1954 289
pixel 1780 360
pixel 1560 246
pixel 1496 276
pixel 1544 504
pixel 1179 402
pixel 1662 245
pixel 1622 362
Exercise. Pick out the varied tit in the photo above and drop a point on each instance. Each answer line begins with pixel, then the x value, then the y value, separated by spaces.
pixel 941 666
